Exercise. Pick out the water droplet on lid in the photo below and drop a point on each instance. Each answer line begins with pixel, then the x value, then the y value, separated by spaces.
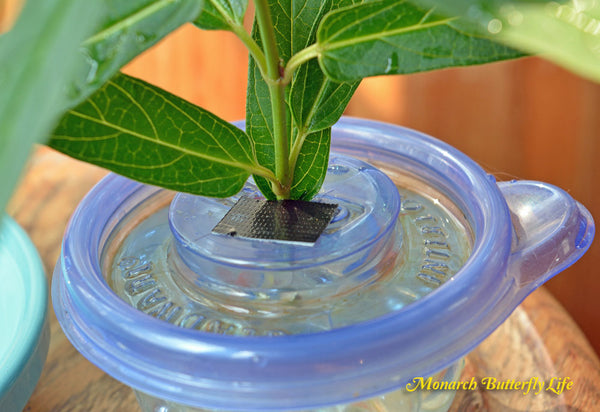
pixel 340 214
pixel 128 262
pixel 337 169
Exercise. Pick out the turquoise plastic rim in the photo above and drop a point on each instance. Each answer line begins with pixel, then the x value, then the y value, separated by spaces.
pixel 23 316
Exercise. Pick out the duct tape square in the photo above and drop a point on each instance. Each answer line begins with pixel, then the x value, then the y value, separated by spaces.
pixel 295 221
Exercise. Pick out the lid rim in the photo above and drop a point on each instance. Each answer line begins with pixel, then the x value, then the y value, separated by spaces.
pixel 489 255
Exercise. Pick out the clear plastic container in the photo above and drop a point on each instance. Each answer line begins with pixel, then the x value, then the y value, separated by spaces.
pixel 415 270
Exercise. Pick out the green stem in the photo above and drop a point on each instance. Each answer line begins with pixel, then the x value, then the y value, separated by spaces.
pixel 297 59
pixel 282 149
pixel 277 95
pixel 267 35
pixel 263 172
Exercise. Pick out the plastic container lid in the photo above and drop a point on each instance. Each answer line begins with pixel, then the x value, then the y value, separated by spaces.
pixel 524 233
pixel 23 308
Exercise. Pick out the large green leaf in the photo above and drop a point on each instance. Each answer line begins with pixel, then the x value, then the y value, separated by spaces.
pixel 36 58
pixel 566 32
pixel 221 14
pixel 147 134
pixel 311 165
pixel 394 37
pixel 127 28
pixel 316 102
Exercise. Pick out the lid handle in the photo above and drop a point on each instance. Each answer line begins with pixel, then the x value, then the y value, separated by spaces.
pixel 550 231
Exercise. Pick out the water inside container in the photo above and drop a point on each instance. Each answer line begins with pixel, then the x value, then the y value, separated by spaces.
pixel 338 282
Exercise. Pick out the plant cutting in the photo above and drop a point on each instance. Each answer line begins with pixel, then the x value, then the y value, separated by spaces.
pixel 157 253
pixel 306 61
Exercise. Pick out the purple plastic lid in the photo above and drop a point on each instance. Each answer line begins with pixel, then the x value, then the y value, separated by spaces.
pixel 524 233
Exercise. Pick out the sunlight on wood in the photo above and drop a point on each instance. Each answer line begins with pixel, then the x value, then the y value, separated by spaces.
pixel 380 98
pixel 9 10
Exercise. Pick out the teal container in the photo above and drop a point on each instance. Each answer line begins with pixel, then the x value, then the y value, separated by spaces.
pixel 25 334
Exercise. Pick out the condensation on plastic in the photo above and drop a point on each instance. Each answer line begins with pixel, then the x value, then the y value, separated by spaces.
pixel 524 233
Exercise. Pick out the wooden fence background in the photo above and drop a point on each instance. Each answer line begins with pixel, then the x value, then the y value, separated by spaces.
pixel 525 119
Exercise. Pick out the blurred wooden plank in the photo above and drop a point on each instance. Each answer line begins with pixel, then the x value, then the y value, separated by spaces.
pixel 207 68
pixel 473 109
pixel 9 10
pixel 378 98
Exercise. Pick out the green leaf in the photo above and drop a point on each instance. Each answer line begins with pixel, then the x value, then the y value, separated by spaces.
pixel 127 28
pixel 565 32
pixel 37 57
pixel 147 134
pixel 316 102
pixel 311 165
pixel 221 14
pixel 259 125
pixel 394 37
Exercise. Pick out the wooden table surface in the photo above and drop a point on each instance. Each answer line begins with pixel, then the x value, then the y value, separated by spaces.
pixel 538 340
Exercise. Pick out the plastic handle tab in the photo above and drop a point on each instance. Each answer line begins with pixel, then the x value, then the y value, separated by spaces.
pixel 550 231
